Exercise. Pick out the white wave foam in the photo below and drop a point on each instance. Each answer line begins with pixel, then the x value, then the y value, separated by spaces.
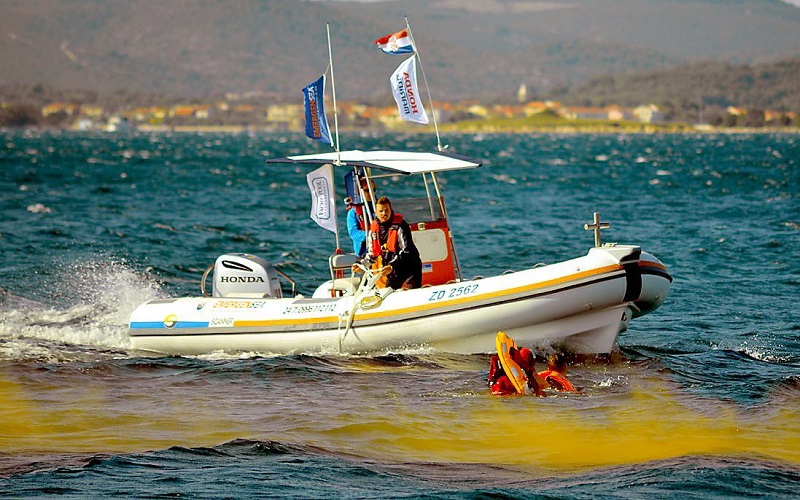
pixel 88 304
pixel 762 351
pixel 322 352
pixel 39 208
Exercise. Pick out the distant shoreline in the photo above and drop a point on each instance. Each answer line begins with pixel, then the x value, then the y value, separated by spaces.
pixel 566 129
pixel 560 129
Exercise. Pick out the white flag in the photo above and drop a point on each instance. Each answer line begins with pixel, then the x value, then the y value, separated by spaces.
pixel 323 209
pixel 404 88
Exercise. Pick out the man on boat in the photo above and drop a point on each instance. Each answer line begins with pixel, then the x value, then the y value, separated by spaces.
pixel 356 225
pixel 390 245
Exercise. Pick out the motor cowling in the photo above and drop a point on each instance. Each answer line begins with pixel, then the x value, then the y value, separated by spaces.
pixel 245 275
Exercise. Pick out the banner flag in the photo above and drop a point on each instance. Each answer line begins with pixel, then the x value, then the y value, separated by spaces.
pixel 323 209
pixel 316 122
pixel 396 43
pixel 404 89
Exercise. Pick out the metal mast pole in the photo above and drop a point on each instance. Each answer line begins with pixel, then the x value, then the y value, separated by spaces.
pixel 333 91
pixel 427 88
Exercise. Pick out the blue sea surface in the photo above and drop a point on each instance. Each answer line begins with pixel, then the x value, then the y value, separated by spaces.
pixel 701 401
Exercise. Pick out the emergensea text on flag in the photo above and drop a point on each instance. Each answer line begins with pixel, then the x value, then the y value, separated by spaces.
pixel 396 43
pixel 316 122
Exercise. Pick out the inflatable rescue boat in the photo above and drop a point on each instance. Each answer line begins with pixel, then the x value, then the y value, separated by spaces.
pixel 579 305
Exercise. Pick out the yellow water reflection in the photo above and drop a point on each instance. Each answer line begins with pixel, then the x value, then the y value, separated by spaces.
pixel 649 422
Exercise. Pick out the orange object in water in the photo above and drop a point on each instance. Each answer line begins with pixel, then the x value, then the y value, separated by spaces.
pixel 558 381
pixel 504 344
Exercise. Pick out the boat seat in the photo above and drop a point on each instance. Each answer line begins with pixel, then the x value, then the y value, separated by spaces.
pixel 340 264
pixel 346 285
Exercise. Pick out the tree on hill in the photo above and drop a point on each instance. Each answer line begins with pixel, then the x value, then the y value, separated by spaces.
pixel 19 115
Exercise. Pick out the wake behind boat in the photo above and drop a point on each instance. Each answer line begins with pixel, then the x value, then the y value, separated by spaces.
pixel 578 305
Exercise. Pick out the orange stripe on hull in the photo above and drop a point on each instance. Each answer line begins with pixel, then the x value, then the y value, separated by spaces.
pixel 436 305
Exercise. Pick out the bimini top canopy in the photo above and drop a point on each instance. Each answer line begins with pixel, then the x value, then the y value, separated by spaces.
pixel 404 162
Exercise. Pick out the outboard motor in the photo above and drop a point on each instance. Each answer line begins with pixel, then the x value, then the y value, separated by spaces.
pixel 245 275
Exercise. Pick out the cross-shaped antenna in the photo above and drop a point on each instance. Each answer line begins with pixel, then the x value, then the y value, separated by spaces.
pixel 596 227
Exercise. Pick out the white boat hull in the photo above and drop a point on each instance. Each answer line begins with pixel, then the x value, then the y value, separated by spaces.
pixel 580 305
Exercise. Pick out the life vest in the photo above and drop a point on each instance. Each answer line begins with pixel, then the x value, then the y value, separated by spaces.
pixel 498 381
pixel 495 369
pixel 391 236
pixel 360 215
pixel 558 380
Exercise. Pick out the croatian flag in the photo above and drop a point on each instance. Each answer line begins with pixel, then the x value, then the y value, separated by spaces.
pixel 396 43
pixel 406 94
pixel 316 122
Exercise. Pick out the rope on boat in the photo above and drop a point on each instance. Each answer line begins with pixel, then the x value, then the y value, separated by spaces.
pixel 366 286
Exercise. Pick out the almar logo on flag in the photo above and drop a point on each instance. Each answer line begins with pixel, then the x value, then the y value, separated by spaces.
pixel 320 188
pixel 406 95
pixel 320 183
pixel 316 122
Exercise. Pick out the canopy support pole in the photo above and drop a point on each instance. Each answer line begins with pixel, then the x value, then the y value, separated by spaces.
pixel 456 265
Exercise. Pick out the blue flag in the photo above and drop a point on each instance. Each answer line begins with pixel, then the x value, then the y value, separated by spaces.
pixel 316 122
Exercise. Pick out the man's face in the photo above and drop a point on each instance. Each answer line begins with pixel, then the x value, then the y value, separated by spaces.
pixel 383 212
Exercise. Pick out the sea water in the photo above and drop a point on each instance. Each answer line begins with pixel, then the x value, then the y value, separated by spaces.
pixel 700 401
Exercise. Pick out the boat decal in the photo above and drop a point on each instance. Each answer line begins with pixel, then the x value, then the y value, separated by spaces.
pixel 222 322
pixel 318 320
pixel 238 304
pixel 161 324
pixel 321 323
pixel 310 308
pixel 454 292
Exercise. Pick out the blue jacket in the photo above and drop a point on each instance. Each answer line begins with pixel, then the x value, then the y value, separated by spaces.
pixel 358 235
